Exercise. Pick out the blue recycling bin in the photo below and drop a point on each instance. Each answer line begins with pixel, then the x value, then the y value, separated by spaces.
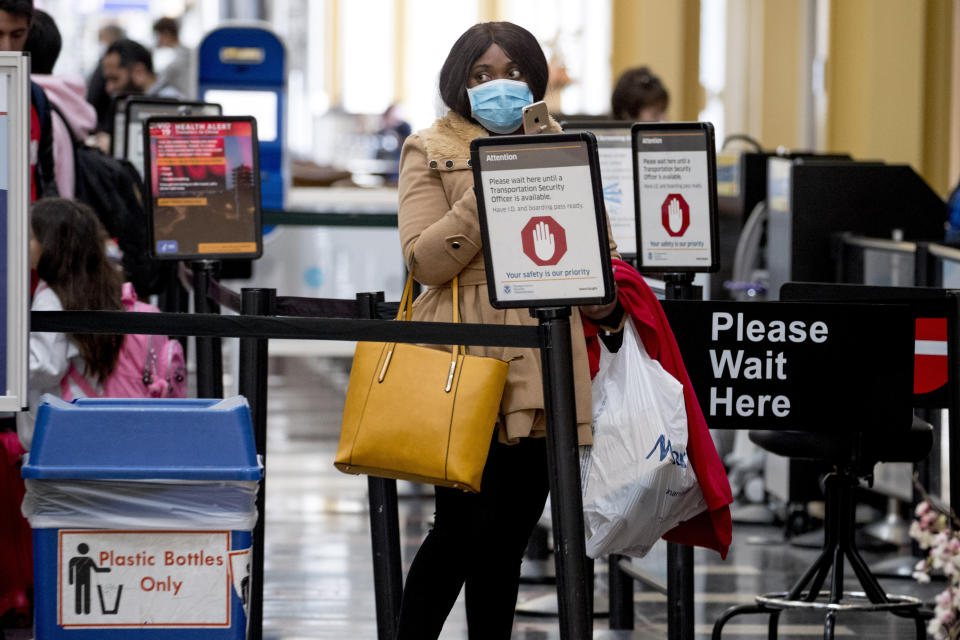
pixel 142 512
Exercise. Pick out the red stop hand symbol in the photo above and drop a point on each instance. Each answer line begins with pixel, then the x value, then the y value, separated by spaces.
pixel 544 240
pixel 675 215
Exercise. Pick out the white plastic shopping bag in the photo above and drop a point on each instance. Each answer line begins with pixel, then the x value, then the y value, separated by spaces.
pixel 636 479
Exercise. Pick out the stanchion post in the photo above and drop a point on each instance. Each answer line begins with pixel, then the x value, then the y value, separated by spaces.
pixel 680 609
pixel 209 353
pixel 384 526
pixel 621 594
pixel 254 354
pixel 574 594
pixel 953 414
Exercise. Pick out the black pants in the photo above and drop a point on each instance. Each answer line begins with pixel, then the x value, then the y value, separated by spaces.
pixel 478 540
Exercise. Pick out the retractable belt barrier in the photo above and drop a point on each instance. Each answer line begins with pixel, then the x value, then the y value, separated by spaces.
pixel 257 324
pixel 294 306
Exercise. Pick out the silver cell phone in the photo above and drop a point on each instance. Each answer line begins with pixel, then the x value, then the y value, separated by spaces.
pixel 536 118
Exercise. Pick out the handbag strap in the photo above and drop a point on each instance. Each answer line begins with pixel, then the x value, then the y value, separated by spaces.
pixel 406 311
pixel 406 300
pixel 406 305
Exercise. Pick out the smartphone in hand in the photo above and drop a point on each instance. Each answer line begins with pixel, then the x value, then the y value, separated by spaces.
pixel 536 118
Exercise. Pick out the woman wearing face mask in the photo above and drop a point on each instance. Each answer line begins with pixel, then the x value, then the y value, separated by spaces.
pixel 492 71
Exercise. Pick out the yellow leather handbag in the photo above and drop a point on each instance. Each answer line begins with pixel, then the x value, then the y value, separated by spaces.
pixel 420 414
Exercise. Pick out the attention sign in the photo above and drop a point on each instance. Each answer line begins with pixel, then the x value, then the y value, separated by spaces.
pixel 544 231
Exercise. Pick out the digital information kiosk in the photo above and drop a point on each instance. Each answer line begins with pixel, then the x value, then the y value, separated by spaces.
pixel 140 108
pixel 202 180
pixel 244 69
pixel 542 220
pixel 675 177
pixel 616 174
pixel 14 201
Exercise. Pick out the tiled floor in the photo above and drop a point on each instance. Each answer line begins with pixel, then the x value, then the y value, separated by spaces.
pixel 318 576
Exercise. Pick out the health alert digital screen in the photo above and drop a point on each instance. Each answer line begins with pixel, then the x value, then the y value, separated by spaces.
pixel 542 221
pixel 203 177
pixel 675 177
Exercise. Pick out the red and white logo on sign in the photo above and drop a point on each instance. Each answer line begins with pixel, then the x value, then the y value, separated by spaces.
pixel 930 355
pixel 675 215
pixel 544 240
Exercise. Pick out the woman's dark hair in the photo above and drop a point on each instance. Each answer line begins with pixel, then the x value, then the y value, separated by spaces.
pixel 43 43
pixel 637 89
pixel 73 262
pixel 518 43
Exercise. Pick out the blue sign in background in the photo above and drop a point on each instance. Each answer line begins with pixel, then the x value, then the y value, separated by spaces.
pixel 238 59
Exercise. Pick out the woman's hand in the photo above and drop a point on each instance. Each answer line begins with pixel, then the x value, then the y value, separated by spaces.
pixel 598 311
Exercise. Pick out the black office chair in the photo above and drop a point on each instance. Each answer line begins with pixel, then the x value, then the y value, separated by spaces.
pixel 853 456
pixel 853 453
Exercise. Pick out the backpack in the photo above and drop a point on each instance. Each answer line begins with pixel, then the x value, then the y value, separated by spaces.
pixel 43 173
pixel 148 367
pixel 114 190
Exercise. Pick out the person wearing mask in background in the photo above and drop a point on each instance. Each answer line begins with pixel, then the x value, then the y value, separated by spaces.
pixel 128 68
pixel 96 86
pixel 639 96
pixel 172 60
pixel 477 540
pixel 15 19
pixel 65 93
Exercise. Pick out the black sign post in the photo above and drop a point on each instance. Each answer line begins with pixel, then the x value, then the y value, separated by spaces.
pixel 680 613
pixel 209 349
pixel 544 234
pixel 675 203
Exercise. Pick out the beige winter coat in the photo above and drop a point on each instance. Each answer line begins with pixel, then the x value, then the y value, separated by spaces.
pixel 440 238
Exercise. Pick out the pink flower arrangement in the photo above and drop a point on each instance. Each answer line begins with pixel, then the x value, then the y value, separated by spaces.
pixel 932 531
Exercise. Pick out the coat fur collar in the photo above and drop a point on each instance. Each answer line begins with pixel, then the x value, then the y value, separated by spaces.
pixel 450 136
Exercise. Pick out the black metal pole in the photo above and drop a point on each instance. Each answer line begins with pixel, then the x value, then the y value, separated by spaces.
pixel 574 593
pixel 953 414
pixel 254 354
pixel 384 527
pixel 209 353
pixel 621 594
pixel 680 611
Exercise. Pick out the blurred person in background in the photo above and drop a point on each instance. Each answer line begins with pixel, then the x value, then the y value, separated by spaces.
pixel 640 96
pixel 391 135
pixel 96 86
pixel 128 68
pixel 15 19
pixel 173 61
pixel 66 93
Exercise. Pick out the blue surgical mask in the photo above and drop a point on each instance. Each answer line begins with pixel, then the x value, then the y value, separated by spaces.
pixel 497 104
